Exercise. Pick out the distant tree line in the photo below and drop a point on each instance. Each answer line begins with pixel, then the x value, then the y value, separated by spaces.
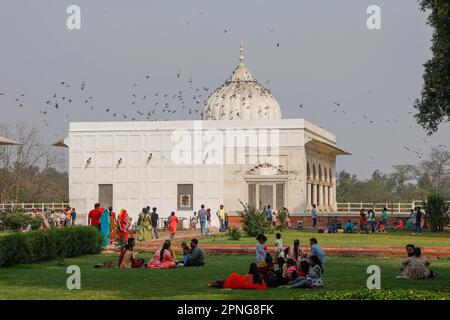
pixel 28 172
pixel 406 183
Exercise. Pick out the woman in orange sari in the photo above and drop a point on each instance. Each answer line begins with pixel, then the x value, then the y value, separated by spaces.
pixel 163 258
pixel 113 225
pixel 173 222
pixel 123 226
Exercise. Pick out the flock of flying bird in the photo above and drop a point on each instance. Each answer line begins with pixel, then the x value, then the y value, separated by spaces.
pixel 159 106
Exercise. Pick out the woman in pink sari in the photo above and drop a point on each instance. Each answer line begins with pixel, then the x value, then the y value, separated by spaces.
pixel 123 226
pixel 163 258
pixel 173 222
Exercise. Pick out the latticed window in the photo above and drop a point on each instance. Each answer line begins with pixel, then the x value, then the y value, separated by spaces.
pixel 185 196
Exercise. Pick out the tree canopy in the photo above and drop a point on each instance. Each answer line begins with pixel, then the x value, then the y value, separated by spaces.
pixel 434 105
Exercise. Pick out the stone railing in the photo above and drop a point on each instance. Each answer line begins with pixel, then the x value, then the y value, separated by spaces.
pixel 30 206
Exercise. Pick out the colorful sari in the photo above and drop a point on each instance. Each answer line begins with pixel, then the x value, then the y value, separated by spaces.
pixel 167 262
pixel 105 227
pixel 127 260
pixel 145 230
pixel 173 222
pixel 112 227
pixel 237 281
pixel 123 224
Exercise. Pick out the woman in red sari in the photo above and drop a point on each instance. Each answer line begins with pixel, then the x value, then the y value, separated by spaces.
pixel 113 225
pixel 253 280
pixel 173 222
pixel 123 226
pixel 163 258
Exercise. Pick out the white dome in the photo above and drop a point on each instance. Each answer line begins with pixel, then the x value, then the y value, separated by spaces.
pixel 241 98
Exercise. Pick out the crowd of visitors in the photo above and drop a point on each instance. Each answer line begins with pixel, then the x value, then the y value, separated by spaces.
pixel 163 258
pixel 368 222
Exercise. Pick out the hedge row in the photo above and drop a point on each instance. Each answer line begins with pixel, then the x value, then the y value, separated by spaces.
pixel 365 294
pixel 44 245
pixel 16 220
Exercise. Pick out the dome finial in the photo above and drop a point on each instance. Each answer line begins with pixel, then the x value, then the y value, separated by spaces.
pixel 241 57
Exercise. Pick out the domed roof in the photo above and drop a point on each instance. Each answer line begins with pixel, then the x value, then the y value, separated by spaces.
pixel 241 97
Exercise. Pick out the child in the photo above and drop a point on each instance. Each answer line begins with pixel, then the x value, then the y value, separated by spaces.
pixel 279 244
pixel 261 250
pixel 313 277
pixel 304 268
pixel 186 252
pixel 380 227
pixel 194 221
pixel 291 270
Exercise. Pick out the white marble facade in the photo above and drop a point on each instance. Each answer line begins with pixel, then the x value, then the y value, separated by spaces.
pixel 136 159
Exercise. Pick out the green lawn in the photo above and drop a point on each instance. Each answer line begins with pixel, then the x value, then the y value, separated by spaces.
pixel 48 280
pixel 426 239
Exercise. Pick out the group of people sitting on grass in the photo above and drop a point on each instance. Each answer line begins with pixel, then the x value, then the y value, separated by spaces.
pixel 163 258
pixel 415 266
pixel 290 268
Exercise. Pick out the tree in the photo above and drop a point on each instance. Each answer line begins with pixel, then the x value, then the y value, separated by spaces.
pixel 437 211
pixel 434 105
pixel 27 172
pixel 438 169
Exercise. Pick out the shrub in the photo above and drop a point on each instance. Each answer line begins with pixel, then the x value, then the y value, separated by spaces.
pixel 44 245
pixel 16 220
pixel 234 234
pixel 437 212
pixel 365 294
pixel 254 221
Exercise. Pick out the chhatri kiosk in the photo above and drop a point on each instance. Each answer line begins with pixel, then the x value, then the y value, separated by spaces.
pixel 241 151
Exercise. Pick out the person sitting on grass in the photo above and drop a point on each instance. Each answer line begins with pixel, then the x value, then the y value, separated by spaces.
pixel 291 272
pixel 127 258
pixel 335 225
pixel 313 278
pixel 400 225
pixel 261 250
pixel 349 227
pixel 186 252
pixel 163 258
pixel 294 252
pixel 252 280
pixel 380 227
pixel 196 256
pixel 415 266
pixel 304 268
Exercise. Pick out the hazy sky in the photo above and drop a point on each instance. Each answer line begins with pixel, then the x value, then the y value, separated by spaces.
pixel 326 54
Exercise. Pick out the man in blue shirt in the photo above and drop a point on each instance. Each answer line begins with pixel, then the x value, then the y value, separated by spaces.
pixel 314 216
pixel 316 250
pixel 269 215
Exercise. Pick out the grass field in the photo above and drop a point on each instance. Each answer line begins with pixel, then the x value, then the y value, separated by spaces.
pixel 426 239
pixel 48 280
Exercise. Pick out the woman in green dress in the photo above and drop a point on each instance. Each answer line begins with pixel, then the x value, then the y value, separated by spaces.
pixel 145 226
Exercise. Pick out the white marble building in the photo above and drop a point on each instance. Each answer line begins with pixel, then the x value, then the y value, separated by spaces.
pixel 179 165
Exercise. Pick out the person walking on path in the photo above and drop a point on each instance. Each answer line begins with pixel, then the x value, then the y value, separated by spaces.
pixel 154 218
pixel 202 216
pixel 173 223
pixel 222 214
pixel 314 216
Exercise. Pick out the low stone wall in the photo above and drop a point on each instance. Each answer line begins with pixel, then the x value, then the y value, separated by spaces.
pixel 331 251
